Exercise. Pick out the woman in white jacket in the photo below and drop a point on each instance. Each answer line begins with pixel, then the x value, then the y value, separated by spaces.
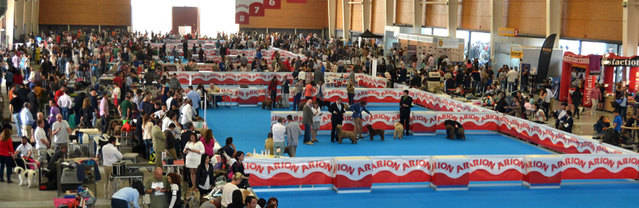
pixel 193 150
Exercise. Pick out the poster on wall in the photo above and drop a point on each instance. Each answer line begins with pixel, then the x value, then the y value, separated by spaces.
pixel 256 8
pixel 272 4
pixel 241 12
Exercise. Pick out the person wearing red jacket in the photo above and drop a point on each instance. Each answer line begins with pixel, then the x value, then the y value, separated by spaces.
pixel 6 152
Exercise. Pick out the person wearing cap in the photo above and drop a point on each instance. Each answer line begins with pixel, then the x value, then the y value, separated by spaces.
pixel 229 188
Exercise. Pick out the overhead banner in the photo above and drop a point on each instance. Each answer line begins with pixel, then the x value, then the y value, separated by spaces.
pixel 544 58
pixel 621 61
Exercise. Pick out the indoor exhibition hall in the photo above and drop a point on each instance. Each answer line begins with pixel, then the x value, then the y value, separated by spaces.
pixel 319 103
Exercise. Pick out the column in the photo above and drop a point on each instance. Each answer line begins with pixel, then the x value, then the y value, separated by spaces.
pixel 19 18
pixel 27 16
pixel 331 17
pixel 630 36
pixel 553 19
pixel 497 20
pixel 35 10
pixel 10 15
pixel 391 7
pixel 418 16
pixel 452 18
pixel 366 14
pixel 346 20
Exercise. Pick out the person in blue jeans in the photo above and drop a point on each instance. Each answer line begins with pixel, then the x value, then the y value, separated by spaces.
pixel 15 105
pixel 357 109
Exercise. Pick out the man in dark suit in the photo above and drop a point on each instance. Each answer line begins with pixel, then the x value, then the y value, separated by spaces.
pixel 337 116
pixel 405 103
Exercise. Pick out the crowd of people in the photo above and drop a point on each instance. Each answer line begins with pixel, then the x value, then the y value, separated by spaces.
pixel 55 87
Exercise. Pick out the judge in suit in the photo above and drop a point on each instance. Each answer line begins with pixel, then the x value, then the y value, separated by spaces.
pixel 405 103
pixel 337 110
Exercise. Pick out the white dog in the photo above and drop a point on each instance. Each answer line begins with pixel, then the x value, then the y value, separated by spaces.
pixel 20 172
pixel 31 176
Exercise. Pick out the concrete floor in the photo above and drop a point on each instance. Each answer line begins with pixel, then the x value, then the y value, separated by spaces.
pixel 14 196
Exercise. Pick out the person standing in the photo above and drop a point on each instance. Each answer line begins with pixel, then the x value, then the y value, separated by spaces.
pixel 194 149
pixel 285 94
pixel 357 109
pixel 159 142
pixel 595 96
pixel 272 89
pixel 205 176
pixel 110 155
pixel 317 117
pixel 278 130
pixel 307 120
pixel 350 89
pixel 157 186
pixel 6 151
pixel 405 103
pixel 337 117
pixel 297 95
pixel 15 104
pixel 293 132
pixel 26 119
pixel 65 103
pixel 60 130
pixel 42 142
pixel 511 77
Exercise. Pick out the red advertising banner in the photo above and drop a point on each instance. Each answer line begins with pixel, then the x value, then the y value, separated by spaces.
pixel 272 4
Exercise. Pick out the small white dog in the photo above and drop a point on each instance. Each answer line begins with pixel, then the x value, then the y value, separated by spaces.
pixel 20 172
pixel 31 176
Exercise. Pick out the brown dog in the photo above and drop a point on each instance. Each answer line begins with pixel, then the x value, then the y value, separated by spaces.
pixel 399 131
pixel 373 132
pixel 341 134
pixel 267 104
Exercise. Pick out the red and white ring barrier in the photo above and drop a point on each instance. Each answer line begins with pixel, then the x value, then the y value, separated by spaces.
pixel 442 172
pixel 290 171
pixel 497 168
pixel 264 78
pixel 599 166
pixel 543 171
pixel 450 172
pixel 353 173
pixel 403 169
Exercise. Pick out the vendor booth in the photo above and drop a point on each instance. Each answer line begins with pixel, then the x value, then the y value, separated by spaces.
pixel 580 70
pixel 625 64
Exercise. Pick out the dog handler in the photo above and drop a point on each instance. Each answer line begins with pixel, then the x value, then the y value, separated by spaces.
pixel 405 103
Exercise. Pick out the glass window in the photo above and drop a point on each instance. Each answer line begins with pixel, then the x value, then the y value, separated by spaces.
pixel 479 47
pixel 427 31
pixel 155 16
pixel 440 32
pixel 594 48
pixel 569 45
pixel 464 34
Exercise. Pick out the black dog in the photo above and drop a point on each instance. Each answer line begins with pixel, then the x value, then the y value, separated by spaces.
pixel 373 132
